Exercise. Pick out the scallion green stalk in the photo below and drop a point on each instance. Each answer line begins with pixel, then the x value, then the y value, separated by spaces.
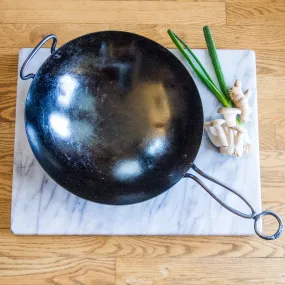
pixel 195 58
pixel 215 61
pixel 202 74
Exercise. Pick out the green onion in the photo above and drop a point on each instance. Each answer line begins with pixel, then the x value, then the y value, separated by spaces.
pixel 202 74
pixel 195 58
pixel 215 60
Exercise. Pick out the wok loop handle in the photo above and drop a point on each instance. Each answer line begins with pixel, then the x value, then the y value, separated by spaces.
pixel 35 50
pixel 253 215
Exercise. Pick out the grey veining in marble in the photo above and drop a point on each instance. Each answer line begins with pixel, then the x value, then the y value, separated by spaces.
pixel 39 206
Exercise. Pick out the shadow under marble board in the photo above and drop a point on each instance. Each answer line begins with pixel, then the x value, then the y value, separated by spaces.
pixel 41 207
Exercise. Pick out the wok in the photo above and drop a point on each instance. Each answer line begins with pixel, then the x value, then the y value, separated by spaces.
pixel 115 118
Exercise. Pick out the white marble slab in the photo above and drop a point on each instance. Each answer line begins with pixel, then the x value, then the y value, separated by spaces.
pixel 40 206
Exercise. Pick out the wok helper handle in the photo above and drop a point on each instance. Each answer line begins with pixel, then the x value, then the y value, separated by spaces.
pixel 34 51
pixel 253 214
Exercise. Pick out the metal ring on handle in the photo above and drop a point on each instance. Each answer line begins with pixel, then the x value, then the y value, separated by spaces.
pixel 253 214
pixel 277 217
pixel 35 50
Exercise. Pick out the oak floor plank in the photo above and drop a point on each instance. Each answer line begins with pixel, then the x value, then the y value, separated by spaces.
pixel 270 86
pixel 32 247
pixel 7 108
pixel 131 12
pixel 272 166
pixel 194 0
pixel 256 13
pixel 267 137
pixel 280 137
pixel 182 271
pixel 6 190
pixel 5 206
pixel 56 270
pixel 6 169
pixel 271 111
pixel 268 2
pixel 238 37
pixel 270 62
pixel 85 5
pixel 7 136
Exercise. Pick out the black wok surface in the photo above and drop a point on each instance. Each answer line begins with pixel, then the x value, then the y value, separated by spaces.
pixel 114 118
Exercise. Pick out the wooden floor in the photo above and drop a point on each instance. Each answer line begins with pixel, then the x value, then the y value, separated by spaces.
pixel 250 24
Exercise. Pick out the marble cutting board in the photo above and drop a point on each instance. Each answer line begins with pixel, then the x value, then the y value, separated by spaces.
pixel 41 207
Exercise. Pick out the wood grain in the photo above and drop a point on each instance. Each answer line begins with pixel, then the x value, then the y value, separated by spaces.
pixel 86 5
pixel 29 4
pixel 256 13
pixel 8 69
pixel 56 270
pixel 270 86
pixel 280 137
pixel 267 137
pixel 139 247
pixel 6 169
pixel 268 2
pixel 8 101
pixel 270 62
pixel 272 175
pixel 196 13
pixel 271 111
pixel 5 206
pixel 199 271
pixel 239 37
pixel 7 136
pixel 87 260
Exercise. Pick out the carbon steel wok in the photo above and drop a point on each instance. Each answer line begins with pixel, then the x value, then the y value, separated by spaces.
pixel 115 118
